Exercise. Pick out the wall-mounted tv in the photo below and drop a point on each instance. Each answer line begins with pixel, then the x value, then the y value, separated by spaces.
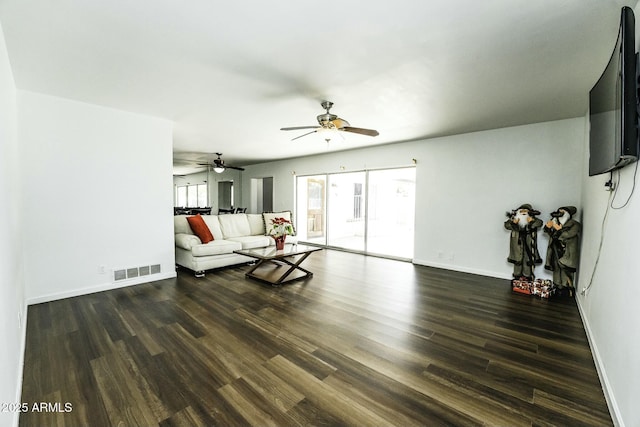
pixel 613 113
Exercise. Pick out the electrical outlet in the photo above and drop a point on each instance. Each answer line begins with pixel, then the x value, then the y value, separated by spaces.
pixel 102 269
pixel 440 255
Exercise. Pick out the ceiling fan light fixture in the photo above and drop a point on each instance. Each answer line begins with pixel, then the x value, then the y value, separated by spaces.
pixel 329 134
pixel 327 131
pixel 218 169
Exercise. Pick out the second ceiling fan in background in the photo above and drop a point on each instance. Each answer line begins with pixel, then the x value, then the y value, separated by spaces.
pixel 219 165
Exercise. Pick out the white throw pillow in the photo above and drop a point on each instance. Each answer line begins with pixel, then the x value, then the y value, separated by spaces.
pixel 268 216
pixel 256 224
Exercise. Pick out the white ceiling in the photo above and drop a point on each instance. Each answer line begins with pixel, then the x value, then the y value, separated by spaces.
pixel 231 74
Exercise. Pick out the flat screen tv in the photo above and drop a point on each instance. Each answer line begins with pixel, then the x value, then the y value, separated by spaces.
pixel 613 113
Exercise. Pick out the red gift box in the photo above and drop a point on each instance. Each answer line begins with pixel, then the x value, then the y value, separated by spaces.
pixel 522 286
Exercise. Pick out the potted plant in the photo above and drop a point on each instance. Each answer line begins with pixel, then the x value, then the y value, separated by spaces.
pixel 280 228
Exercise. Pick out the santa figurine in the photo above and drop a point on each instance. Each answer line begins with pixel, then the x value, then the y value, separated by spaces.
pixel 562 253
pixel 523 244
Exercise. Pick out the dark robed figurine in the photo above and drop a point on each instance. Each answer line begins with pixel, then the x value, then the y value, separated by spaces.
pixel 563 250
pixel 523 244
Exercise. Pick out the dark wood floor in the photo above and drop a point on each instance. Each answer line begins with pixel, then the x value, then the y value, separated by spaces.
pixel 366 341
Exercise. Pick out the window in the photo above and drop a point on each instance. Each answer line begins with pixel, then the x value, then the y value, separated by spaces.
pixel 193 196
pixel 357 200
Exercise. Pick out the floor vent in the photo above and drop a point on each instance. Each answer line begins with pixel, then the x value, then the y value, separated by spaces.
pixel 130 273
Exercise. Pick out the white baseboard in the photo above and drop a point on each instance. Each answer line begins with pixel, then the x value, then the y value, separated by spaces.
pixel 602 373
pixel 488 273
pixel 101 287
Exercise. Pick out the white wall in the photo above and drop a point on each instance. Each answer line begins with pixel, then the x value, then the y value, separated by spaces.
pixel 12 286
pixel 464 186
pixel 610 307
pixel 466 183
pixel 97 193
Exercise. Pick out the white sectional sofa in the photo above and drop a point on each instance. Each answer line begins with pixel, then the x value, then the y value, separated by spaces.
pixel 230 232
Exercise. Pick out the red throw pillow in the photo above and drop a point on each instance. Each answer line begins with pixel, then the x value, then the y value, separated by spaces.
pixel 199 228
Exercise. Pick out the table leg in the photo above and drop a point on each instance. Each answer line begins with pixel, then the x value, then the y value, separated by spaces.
pixel 280 261
pixel 295 266
pixel 255 266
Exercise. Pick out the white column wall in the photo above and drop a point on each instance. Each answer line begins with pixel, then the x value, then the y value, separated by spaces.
pixel 97 195
pixel 12 285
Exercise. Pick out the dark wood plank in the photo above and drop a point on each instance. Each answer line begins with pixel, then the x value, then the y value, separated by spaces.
pixel 366 341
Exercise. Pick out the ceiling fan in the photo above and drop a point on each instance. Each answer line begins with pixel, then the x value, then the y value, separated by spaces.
pixel 219 165
pixel 328 121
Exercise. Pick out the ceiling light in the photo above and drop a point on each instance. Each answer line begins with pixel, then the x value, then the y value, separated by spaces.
pixel 218 169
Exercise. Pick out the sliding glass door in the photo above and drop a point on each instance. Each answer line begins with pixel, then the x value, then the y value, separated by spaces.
pixel 311 209
pixel 366 211
pixel 391 211
pixel 346 211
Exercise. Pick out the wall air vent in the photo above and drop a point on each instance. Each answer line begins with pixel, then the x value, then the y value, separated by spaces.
pixel 133 272
pixel 119 275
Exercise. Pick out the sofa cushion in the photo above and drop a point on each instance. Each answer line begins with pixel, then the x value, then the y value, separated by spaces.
pixel 250 242
pixel 268 216
pixel 199 228
pixel 234 225
pixel 214 225
pixel 216 247
pixel 187 241
pixel 256 224
pixel 181 225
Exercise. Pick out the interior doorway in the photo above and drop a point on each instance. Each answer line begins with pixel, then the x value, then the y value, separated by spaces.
pixel 262 194
pixel 225 194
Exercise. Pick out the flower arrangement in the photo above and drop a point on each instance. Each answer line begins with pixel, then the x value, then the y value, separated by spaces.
pixel 281 227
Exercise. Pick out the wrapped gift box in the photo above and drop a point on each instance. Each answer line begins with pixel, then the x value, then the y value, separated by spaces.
pixel 543 288
pixel 522 286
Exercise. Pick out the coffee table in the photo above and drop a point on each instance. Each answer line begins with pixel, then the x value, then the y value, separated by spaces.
pixel 277 267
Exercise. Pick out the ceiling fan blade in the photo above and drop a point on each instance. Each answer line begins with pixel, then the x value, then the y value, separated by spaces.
pixel 300 127
pixel 340 123
pixel 308 133
pixel 368 132
pixel 233 167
